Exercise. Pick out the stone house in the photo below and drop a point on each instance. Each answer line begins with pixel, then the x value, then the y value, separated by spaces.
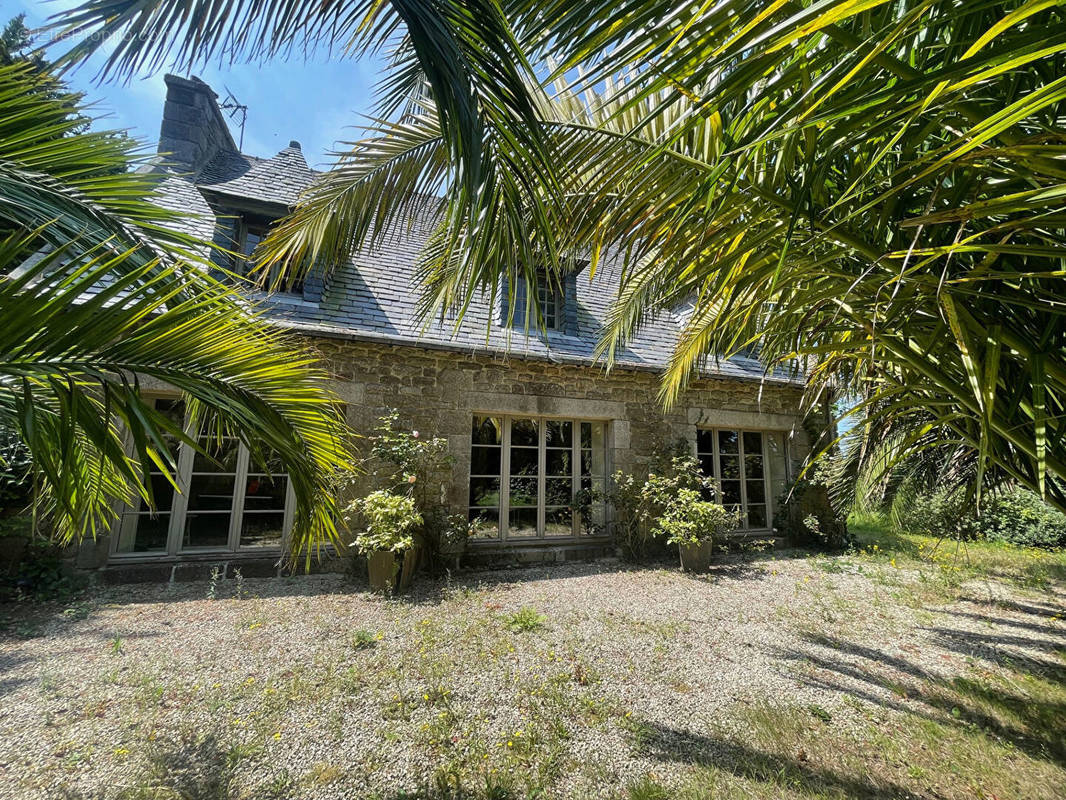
pixel 529 417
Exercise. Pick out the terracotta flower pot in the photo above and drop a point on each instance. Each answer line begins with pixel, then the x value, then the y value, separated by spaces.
pixel 697 557
pixel 383 569
pixel 391 572
pixel 412 559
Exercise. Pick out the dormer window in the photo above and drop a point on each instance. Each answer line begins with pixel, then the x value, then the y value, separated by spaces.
pixel 558 307
pixel 250 234
pixel 549 301
pixel 251 229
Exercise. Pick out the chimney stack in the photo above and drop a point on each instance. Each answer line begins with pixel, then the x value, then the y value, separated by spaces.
pixel 193 130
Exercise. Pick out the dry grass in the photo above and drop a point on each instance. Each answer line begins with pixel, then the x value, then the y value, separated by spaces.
pixel 879 674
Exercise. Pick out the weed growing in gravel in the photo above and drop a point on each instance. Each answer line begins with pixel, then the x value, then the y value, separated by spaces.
pixel 525 620
pixel 238 578
pixel 647 789
pixel 77 611
pixel 363 639
pixel 212 585
pixel 322 774
pixel 820 713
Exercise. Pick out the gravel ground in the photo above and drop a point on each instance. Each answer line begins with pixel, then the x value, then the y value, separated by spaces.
pixel 313 687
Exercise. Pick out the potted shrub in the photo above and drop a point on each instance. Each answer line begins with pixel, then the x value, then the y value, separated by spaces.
pixel 387 540
pixel 404 462
pixel 692 524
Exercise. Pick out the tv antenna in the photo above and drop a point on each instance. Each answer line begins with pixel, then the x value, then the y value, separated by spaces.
pixel 236 111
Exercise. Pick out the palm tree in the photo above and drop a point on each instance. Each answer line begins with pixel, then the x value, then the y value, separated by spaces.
pixel 97 296
pixel 872 189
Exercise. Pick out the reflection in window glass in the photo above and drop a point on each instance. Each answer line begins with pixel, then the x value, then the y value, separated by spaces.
pixel 142 530
pixel 777 464
pixel 750 468
pixel 487 430
pixel 232 499
pixel 526 472
pixel 486 469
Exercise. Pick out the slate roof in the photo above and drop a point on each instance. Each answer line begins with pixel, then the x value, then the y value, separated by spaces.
pixel 371 296
pixel 270 180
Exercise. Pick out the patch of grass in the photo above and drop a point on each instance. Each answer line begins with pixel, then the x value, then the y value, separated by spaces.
pixel 820 713
pixel 949 563
pixel 322 774
pixel 647 788
pixel 525 620
pixel 995 732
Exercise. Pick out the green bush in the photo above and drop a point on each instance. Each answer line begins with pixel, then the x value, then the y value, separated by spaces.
pixel 690 520
pixel 405 462
pixel 41 575
pixel 1014 516
pixel 943 514
pixel 640 505
pixel 389 521
pixel 1020 517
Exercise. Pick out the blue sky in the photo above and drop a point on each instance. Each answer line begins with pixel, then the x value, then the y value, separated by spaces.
pixel 315 102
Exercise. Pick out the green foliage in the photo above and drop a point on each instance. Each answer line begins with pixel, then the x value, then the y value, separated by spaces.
pixel 1013 516
pixel 525 620
pixel 807 513
pixel 886 213
pixel 389 521
pixel 363 639
pixel 456 534
pixel 640 505
pixel 17 525
pixel 690 520
pixel 16 43
pixel 946 513
pixel 402 459
pixel 118 298
pixel 1021 518
pixel 464 54
pixel 213 581
pixel 42 575
pixel 15 472
pixel 405 462
pixel 647 788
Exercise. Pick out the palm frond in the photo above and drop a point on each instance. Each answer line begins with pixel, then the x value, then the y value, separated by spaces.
pixel 97 298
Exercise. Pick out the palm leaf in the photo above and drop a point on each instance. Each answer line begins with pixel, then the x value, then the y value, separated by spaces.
pixel 97 298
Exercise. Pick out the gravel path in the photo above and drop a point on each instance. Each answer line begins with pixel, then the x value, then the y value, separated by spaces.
pixel 312 687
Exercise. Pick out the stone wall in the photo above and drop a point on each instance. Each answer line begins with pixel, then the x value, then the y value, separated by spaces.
pixel 437 391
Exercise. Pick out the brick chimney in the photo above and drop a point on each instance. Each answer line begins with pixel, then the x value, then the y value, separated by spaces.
pixel 193 130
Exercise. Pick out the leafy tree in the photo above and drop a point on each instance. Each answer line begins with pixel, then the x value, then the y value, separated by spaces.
pixel 16 44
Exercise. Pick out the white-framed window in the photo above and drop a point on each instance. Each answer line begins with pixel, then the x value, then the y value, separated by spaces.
pixel 226 503
pixel 525 473
pixel 750 467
